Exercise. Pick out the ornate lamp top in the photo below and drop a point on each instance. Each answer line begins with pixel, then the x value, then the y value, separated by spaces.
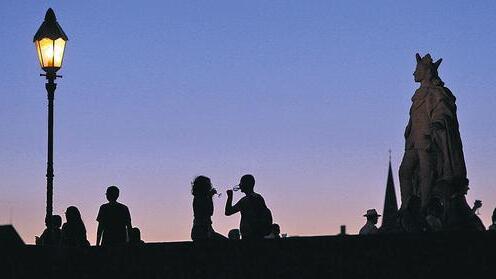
pixel 50 28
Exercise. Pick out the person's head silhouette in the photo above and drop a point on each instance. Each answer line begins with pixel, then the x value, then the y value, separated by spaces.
pixel 56 221
pixel 247 183
pixel 494 216
pixel 372 216
pixel 275 229
pixel 72 215
pixel 201 186
pixel 112 193
pixel 135 236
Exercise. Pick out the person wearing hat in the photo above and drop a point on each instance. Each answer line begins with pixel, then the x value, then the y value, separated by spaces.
pixel 369 227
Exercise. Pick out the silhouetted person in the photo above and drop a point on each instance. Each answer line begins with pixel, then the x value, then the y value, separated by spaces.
pixel 203 209
pixel 74 231
pixel 51 236
pixel 234 234
pixel 492 227
pixel 369 227
pixel 434 215
pixel 275 232
pixel 114 220
pixel 256 218
pixel 135 237
pixel 410 217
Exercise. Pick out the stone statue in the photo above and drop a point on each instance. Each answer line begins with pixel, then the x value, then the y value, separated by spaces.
pixel 433 165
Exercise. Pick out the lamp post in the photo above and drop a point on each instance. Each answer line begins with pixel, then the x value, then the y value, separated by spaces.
pixel 50 42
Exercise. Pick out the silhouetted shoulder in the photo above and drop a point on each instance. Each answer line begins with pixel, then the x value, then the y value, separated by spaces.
pixel 124 209
pixel 257 197
pixel 101 212
pixel 251 203
pixel 113 210
pixel 243 202
pixel 123 206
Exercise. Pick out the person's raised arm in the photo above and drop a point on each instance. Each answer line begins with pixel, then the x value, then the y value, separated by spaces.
pixel 230 209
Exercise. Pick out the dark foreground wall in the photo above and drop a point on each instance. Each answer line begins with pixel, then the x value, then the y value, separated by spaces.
pixel 460 255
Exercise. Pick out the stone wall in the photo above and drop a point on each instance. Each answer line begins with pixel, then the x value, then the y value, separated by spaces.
pixel 443 255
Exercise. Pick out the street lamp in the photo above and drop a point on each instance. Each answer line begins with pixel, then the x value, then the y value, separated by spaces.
pixel 50 42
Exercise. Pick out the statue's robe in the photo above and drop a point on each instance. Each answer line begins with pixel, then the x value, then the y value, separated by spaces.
pixel 444 136
pixel 446 140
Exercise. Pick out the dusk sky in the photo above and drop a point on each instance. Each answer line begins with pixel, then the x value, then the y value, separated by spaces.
pixel 308 96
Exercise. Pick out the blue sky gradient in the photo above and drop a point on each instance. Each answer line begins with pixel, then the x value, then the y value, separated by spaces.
pixel 306 95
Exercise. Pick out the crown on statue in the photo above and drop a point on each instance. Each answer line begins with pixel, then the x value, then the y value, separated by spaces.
pixel 427 61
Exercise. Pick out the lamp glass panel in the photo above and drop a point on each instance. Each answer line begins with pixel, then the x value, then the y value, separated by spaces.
pixel 58 52
pixel 37 44
pixel 46 51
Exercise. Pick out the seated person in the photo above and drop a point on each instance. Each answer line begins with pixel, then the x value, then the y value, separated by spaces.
pixel 74 231
pixel 203 209
pixel 256 218
pixel 135 237
pixel 51 236
pixel 275 232
pixel 369 227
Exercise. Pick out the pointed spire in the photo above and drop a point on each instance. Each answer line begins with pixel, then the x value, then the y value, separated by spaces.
pixel 390 204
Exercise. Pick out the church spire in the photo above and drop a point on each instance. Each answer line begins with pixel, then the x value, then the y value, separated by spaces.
pixel 390 204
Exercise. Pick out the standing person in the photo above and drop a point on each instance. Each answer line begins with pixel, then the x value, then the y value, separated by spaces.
pixel 114 220
pixel 369 227
pixel 256 218
pixel 74 231
pixel 203 209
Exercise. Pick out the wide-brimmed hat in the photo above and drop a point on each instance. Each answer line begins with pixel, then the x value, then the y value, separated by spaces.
pixel 371 212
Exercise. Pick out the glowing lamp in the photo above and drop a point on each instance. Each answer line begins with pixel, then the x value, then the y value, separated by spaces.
pixel 50 42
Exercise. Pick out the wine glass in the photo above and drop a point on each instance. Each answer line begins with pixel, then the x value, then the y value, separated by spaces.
pixel 215 193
